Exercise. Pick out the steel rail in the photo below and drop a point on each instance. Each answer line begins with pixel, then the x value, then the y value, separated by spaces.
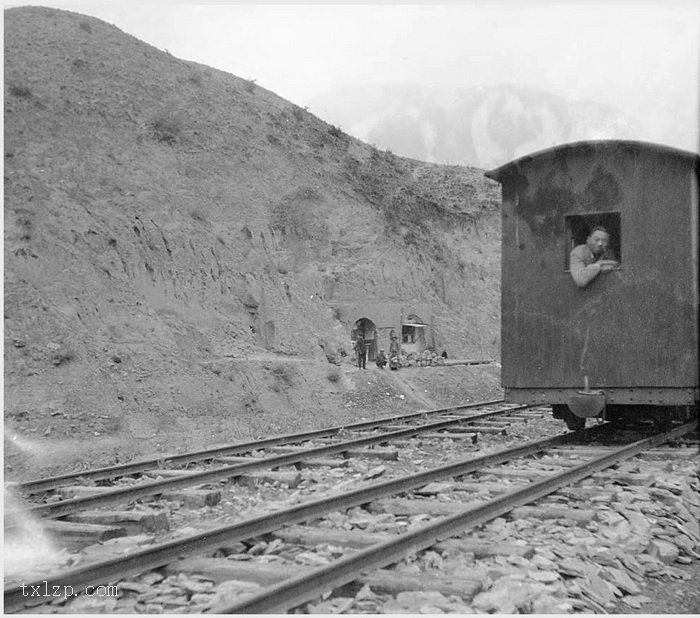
pixel 296 590
pixel 44 484
pixel 66 507
pixel 164 553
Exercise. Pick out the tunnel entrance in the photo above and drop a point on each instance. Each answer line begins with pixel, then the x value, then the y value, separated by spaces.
pixel 367 329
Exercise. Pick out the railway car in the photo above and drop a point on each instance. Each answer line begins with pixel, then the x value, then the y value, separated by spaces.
pixel 621 342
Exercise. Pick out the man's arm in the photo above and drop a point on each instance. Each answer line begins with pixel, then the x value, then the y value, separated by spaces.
pixel 580 273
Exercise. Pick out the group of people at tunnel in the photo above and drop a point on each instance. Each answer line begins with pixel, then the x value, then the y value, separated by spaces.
pixel 382 360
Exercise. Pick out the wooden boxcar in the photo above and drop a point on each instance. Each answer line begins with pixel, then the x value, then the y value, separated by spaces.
pixel 629 339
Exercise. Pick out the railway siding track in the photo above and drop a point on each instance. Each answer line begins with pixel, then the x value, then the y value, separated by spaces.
pixel 446 517
pixel 183 459
pixel 343 444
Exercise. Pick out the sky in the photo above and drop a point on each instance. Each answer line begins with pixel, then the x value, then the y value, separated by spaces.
pixel 641 58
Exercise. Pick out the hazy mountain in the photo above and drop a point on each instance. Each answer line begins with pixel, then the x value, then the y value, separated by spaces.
pixel 481 126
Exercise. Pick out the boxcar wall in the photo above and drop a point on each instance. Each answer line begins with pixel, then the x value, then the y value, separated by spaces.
pixel 633 332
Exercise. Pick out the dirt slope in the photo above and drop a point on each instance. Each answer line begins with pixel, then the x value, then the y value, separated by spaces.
pixel 177 241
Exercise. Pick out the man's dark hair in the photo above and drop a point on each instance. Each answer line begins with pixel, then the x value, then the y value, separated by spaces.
pixel 598 228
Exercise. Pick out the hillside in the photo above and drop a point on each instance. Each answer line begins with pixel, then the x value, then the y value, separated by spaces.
pixel 181 247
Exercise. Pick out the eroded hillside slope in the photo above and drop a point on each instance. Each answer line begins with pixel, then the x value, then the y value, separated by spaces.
pixel 177 241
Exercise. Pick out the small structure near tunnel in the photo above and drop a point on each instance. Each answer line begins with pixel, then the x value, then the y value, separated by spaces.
pixel 413 335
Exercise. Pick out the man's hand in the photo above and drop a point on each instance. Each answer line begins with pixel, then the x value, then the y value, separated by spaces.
pixel 607 265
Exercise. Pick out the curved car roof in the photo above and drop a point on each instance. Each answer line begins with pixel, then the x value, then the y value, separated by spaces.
pixel 514 167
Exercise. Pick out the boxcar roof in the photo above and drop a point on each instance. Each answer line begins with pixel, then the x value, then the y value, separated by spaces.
pixel 588 146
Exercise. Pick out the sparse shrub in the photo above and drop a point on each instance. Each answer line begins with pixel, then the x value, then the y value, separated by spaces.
pixel 283 374
pixel 249 402
pixel 335 131
pixel 298 113
pixel 221 239
pixel 166 128
pixel 24 220
pixel 62 355
pixel 300 214
pixel 84 25
pixel 23 92
pixel 198 214
pixel 309 193
pixel 79 63
pixel 249 85
pixel 195 78
pixel 333 375
pixel 410 237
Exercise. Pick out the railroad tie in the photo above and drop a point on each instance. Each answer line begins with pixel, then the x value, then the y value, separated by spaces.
pixel 392 582
pixel 194 498
pixel 387 454
pixel 133 522
pixel 473 437
pixel 302 535
pixel 252 479
pixel 220 570
pixel 517 473
pixel 322 463
pixel 469 431
pixel 74 535
pixel 551 511
pixel 483 549
pixel 234 460
pixel 486 429
pixel 81 491
pixel 316 462
pixel 404 506
pixel 370 453
pixel 169 473
pixel 626 478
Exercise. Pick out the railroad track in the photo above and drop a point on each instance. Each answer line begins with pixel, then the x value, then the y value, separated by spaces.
pixel 447 516
pixel 184 459
pixel 224 463
pixel 297 590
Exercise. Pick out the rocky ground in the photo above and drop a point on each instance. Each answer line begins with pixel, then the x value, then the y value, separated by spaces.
pixel 630 549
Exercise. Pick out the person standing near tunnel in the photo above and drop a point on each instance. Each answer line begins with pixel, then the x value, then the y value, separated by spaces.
pixel 361 352
pixel 394 353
